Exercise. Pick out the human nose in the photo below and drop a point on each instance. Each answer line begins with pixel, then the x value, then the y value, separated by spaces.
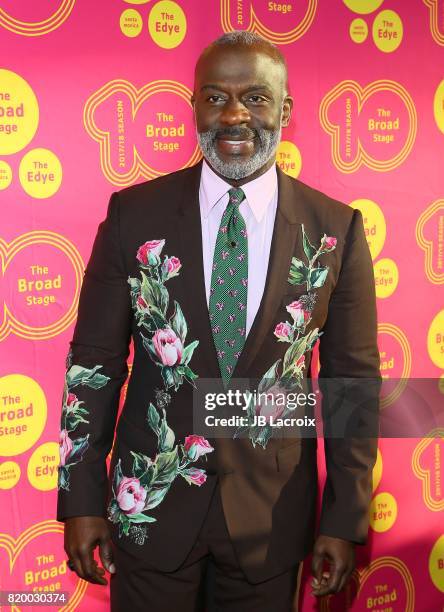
pixel 234 112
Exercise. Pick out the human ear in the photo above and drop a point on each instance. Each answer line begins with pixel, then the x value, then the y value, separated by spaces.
pixel 287 107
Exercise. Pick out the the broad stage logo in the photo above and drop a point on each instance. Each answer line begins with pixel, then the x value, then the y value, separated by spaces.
pixel 143 132
pixel 373 126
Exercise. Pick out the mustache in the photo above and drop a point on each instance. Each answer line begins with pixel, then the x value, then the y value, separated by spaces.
pixel 242 133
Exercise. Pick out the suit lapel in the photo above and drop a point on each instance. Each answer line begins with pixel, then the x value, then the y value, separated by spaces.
pixel 192 286
pixel 283 243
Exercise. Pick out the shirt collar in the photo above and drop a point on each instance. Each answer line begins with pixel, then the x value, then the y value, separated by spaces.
pixel 258 192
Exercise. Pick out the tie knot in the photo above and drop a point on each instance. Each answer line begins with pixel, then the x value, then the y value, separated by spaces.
pixel 236 196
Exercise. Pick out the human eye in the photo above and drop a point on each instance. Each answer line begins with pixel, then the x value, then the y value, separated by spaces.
pixel 257 99
pixel 215 99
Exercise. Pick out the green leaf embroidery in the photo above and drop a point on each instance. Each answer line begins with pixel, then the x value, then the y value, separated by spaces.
pixel 166 437
pixel 79 446
pixel 155 496
pixel 117 477
pixel 270 377
pixel 298 272
pixel 153 418
pixel 178 322
pixel 188 352
pixel 318 276
pixel 78 375
pixel 167 465
pixel 141 518
pixel 309 249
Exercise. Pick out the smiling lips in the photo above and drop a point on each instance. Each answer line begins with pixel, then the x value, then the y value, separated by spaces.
pixel 235 146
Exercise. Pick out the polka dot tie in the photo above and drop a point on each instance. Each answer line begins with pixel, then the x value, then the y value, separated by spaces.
pixel 228 291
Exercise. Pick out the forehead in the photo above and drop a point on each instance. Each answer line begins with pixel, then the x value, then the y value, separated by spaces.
pixel 238 67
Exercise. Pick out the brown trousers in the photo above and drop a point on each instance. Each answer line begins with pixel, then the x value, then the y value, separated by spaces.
pixel 210 579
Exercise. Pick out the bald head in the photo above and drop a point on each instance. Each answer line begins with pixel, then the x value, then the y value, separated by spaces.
pixel 248 41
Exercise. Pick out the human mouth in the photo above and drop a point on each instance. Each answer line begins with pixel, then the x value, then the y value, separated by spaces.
pixel 235 146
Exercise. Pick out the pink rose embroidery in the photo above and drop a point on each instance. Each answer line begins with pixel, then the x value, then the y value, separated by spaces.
pixel 298 312
pixel 66 445
pixel 196 446
pixel 153 247
pixel 71 399
pixel 328 243
pixel 131 495
pixel 168 346
pixel 282 331
pixel 171 267
pixel 141 303
pixel 271 403
pixel 195 476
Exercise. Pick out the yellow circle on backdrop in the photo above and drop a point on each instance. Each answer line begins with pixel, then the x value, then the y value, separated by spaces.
pixel 42 466
pixel 9 474
pixel 5 175
pixel 131 23
pixel 363 7
pixel 374 224
pixel 167 24
pixel 383 512
pixel 386 277
pixel 387 31
pixel 438 106
pixel 288 158
pixel 436 564
pixel 358 30
pixel 377 471
pixel 19 113
pixel 435 340
pixel 23 416
pixel 40 173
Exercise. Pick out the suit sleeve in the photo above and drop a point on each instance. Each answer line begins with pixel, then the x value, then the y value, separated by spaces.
pixel 96 369
pixel 349 359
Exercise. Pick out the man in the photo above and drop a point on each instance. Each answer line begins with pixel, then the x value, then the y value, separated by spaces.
pixel 202 267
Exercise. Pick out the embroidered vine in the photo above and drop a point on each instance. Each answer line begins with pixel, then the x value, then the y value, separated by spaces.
pixel 286 374
pixel 74 412
pixel 164 339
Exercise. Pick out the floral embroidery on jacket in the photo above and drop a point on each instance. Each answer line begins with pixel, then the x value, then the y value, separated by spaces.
pixel 286 374
pixel 164 340
pixel 74 412
pixel 150 300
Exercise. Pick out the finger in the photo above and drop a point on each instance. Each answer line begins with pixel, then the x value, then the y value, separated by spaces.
pixel 89 568
pixel 77 566
pixel 106 555
pixel 332 583
pixel 317 585
pixel 316 567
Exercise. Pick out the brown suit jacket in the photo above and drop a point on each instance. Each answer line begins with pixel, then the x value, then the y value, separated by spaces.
pixel 269 495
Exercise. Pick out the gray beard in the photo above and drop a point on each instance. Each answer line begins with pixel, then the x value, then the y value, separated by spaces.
pixel 239 169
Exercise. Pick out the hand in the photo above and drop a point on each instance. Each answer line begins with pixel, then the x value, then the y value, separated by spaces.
pixel 340 555
pixel 82 535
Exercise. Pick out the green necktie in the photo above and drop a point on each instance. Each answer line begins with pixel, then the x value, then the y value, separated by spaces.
pixel 228 292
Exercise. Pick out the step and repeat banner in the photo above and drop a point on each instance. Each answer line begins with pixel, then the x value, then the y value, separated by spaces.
pixel 95 96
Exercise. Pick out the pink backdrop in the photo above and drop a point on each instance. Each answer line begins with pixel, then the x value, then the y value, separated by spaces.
pixel 94 96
